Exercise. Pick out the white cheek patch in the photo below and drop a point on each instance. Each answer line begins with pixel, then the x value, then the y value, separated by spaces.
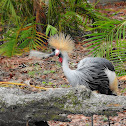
pixel 111 75
pixel 57 52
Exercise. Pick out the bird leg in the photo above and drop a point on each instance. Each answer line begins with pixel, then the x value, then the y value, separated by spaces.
pixel 108 120
pixel 91 120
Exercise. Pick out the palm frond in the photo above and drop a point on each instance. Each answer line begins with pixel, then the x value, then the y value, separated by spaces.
pixel 22 37
pixel 110 43
pixel 50 30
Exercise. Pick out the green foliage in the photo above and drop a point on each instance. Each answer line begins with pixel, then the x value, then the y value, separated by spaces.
pixel 16 11
pixel 31 73
pixel 105 119
pixel 124 90
pixel 65 86
pixel 50 83
pixel 48 71
pixel 43 82
pixel 67 16
pixel 108 40
pixel 20 27
pixel 17 39
pixel 50 30
pixel 20 39
pixel 71 16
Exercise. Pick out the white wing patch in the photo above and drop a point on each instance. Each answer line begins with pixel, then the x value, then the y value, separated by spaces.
pixel 111 75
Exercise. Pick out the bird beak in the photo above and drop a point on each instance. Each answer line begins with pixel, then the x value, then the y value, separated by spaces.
pixel 52 54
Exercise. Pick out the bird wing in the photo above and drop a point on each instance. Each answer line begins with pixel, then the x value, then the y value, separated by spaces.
pixel 89 61
pixel 93 72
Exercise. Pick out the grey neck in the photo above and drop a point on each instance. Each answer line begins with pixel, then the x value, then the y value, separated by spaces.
pixel 70 74
pixel 65 63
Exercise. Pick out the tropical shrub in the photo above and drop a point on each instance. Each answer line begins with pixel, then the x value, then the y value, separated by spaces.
pixel 108 39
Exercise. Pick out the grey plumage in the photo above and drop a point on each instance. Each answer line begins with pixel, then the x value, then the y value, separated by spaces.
pixel 90 72
pixel 99 62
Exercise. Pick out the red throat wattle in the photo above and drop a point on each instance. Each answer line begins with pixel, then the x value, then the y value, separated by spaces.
pixel 60 59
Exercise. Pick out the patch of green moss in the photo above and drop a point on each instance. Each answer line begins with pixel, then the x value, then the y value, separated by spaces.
pixel 68 102
pixel 2 110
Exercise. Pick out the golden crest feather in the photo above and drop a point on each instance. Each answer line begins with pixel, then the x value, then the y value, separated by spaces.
pixel 62 42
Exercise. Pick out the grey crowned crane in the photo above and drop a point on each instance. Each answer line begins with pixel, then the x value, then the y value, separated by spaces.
pixel 97 74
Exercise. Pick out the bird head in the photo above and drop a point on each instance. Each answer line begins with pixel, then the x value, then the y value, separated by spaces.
pixel 56 52
pixel 62 43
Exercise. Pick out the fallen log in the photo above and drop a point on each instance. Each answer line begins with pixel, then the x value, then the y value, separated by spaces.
pixel 19 108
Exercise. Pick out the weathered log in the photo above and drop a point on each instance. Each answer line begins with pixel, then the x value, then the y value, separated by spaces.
pixel 18 108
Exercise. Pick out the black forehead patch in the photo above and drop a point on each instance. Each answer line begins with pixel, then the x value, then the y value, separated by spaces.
pixel 53 49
